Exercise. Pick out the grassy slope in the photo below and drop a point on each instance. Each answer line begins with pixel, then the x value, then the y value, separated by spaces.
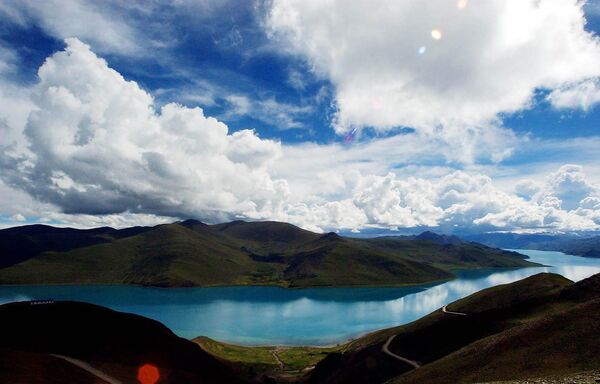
pixel 168 255
pixel 565 342
pixel 491 311
pixel 114 342
pixel 449 256
pixel 261 359
pixel 194 254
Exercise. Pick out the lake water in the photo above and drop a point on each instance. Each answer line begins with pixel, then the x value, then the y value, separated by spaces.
pixel 271 315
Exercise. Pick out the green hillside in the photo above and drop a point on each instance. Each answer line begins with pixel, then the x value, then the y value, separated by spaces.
pixel 540 326
pixel 191 253
pixel 564 342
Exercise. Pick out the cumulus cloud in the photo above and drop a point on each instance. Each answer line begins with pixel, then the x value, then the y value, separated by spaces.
pixel 96 145
pixel 570 186
pixel 462 201
pixel 583 95
pixel 491 58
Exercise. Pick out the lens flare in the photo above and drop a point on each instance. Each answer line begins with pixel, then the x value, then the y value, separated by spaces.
pixel 148 374
pixel 436 34
pixel 462 4
pixel 349 137
pixel 422 50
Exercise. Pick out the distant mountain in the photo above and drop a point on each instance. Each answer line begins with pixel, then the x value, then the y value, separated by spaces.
pixel 43 343
pixel 544 325
pixel 191 253
pixel 569 243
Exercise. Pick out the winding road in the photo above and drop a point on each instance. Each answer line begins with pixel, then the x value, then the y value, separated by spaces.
pixel 86 367
pixel 445 310
pixel 386 347
pixel 276 356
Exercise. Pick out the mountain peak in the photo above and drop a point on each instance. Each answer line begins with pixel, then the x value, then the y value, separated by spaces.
pixel 330 236
pixel 192 223
pixel 440 239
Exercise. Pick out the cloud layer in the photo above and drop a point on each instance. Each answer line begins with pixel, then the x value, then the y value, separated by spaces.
pixel 461 201
pixel 89 147
pixel 486 58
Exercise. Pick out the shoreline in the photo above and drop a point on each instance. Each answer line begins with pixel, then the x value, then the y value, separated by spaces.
pixel 291 288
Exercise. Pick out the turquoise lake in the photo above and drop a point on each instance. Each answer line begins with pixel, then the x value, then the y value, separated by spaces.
pixel 319 316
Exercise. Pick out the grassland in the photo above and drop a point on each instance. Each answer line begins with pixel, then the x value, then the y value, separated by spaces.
pixel 286 363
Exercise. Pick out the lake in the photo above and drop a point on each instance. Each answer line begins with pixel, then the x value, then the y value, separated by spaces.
pixel 315 316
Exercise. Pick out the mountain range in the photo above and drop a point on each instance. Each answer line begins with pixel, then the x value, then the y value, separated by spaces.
pixel 571 244
pixel 192 253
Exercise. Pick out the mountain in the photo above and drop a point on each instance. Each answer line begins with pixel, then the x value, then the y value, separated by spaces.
pixel 439 239
pixel 191 253
pixel 48 342
pixel 541 326
pixel 21 243
pixel 571 244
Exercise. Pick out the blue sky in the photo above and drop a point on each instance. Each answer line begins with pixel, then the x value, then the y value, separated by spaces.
pixel 363 121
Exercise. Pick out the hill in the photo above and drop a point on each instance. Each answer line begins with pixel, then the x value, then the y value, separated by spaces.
pixel 21 243
pixel 540 326
pixel 44 343
pixel 191 253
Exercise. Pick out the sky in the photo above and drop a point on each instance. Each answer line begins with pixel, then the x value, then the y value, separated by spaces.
pixel 460 116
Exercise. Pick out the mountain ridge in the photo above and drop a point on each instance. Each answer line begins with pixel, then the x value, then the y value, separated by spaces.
pixel 192 253
pixel 571 244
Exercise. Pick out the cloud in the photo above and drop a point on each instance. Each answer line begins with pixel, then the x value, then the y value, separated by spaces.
pixel 460 201
pixel 583 95
pixel 111 31
pixel 97 146
pixel 91 148
pixel 279 115
pixel 491 58
pixel 569 185
pixel 18 217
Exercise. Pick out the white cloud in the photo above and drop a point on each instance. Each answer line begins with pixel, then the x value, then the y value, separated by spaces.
pixel 90 148
pixel 491 58
pixel 526 188
pixel 8 60
pixel 458 201
pixel 100 25
pixel 583 95
pixel 279 115
pixel 18 217
pixel 569 185
pixel 96 145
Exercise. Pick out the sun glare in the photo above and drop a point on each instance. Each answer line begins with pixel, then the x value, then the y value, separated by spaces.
pixel 436 34
pixel 148 374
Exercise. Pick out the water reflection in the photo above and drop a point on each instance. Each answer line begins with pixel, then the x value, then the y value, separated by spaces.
pixel 269 315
